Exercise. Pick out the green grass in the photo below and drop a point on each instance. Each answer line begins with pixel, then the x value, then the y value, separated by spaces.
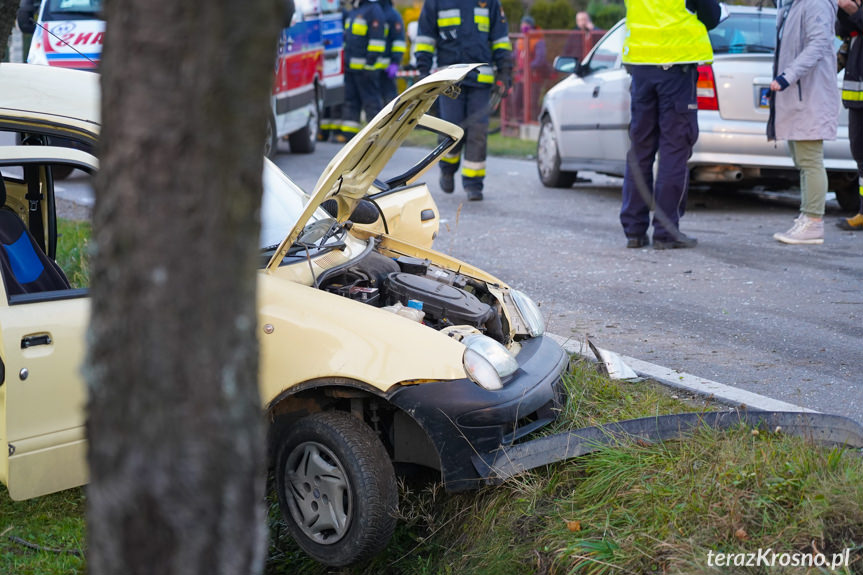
pixel 637 508
pixel 498 145
pixel 51 522
pixel 72 249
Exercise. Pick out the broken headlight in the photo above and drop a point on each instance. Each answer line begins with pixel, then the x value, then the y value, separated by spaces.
pixel 529 311
pixel 494 354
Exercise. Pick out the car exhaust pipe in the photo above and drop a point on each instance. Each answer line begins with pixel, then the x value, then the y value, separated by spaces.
pixel 717 174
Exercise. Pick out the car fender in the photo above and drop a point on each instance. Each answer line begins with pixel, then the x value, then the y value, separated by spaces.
pixel 309 334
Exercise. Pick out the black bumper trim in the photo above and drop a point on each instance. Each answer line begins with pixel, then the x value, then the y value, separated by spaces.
pixel 463 419
pixel 509 461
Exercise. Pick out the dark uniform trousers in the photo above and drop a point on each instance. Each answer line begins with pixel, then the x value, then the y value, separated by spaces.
pixel 470 111
pixel 664 119
pixel 361 93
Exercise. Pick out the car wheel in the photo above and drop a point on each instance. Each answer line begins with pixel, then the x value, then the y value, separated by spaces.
pixel 337 488
pixel 303 141
pixel 548 159
pixel 848 196
pixel 271 143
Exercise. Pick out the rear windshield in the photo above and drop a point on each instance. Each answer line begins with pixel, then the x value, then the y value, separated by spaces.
pixel 72 10
pixel 745 34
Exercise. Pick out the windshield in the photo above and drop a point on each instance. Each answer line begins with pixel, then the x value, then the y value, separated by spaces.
pixel 745 34
pixel 72 10
pixel 281 206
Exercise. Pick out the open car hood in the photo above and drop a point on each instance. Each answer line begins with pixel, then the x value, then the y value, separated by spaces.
pixel 350 174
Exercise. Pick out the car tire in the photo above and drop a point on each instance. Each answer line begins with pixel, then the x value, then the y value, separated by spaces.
pixel 548 159
pixel 303 141
pixel 271 143
pixel 848 196
pixel 336 487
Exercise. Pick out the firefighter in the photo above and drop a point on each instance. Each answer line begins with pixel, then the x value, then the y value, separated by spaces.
pixel 471 31
pixel 364 44
pixel 394 51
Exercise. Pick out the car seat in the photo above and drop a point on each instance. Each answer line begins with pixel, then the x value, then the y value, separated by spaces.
pixel 25 267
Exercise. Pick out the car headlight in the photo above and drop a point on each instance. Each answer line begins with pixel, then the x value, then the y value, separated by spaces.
pixel 494 353
pixel 481 371
pixel 529 312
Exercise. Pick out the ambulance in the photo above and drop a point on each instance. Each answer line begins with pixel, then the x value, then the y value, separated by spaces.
pixel 309 74
pixel 309 71
pixel 68 34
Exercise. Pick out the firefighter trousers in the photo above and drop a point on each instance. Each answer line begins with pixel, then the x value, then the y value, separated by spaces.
pixel 470 111
pixel 361 94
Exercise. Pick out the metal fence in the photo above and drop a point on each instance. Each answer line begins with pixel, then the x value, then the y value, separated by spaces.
pixel 534 73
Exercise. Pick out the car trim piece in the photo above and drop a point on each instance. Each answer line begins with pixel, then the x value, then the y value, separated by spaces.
pixel 512 460
pixel 580 127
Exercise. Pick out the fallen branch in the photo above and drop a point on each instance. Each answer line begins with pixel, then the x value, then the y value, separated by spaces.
pixel 29 545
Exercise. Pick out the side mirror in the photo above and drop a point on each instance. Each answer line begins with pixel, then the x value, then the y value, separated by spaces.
pixel 288 13
pixel 568 65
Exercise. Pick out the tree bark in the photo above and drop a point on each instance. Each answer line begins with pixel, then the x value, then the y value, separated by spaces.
pixel 175 430
pixel 8 14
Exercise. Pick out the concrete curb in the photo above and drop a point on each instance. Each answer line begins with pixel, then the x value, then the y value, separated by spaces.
pixel 685 381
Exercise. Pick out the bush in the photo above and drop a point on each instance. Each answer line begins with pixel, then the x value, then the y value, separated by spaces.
pixel 514 10
pixel 556 14
pixel 606 16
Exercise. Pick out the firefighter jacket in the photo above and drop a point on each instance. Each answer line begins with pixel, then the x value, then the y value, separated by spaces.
pixel 394 50
pixel 664 33
pixel 851 26
pixel 464 31
pixel 364 36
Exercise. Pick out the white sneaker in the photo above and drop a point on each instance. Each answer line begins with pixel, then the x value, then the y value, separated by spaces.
pixel 805 230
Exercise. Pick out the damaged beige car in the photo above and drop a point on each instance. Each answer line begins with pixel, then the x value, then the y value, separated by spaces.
pixel 375 349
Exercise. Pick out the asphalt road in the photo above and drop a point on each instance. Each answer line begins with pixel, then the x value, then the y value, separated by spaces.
pixel 742 309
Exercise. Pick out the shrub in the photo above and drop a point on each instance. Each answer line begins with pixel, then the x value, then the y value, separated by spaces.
pixel 553 14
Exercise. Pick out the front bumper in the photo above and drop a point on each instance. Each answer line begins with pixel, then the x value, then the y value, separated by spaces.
pixel 462 419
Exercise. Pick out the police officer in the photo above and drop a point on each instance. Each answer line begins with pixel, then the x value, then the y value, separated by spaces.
pixel 664 43
pixel 364 44
pixel 394 51
pixel 471 31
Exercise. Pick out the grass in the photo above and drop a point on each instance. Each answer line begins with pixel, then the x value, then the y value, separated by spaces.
pixel 73 243
pixel 498 145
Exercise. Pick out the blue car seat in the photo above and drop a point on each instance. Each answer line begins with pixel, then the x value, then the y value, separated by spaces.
pixel 25 267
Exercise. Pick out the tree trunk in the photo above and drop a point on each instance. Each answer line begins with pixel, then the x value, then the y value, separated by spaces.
pixel 176 442
pixel 8 13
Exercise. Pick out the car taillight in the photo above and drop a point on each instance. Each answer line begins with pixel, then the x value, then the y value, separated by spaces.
pixel 706 89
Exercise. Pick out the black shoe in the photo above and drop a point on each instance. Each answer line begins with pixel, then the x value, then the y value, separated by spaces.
pixel 446 183
pixel 637 241
pixel 854 224
pixel 681 241
pixel 474 194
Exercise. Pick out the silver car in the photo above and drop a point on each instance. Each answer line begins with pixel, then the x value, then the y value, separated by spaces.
pixel 584 119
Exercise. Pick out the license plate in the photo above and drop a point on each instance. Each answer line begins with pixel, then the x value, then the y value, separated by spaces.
pixel 764 98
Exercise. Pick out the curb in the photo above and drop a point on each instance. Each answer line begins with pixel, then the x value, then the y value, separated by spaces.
pixel 675 379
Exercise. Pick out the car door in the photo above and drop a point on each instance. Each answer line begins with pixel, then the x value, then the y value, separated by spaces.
pixel 599 105
pixel 42 346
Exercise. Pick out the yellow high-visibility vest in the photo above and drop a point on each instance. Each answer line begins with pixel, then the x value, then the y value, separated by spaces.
pixel 664 32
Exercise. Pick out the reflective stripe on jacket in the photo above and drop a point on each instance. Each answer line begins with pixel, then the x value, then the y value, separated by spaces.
pixel 364 36
pixel 464 31
pixel 852 80
pixel 662 32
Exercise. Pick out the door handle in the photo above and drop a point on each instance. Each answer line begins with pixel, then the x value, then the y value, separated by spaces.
pixel 29 341
pixel 596 91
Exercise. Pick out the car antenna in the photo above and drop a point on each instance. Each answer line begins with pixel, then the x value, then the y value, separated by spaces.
pixel 39 24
